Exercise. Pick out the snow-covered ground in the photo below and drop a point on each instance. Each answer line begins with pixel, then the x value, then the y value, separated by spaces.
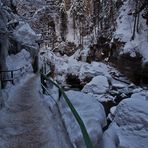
pixel 88 107
pixel 27 122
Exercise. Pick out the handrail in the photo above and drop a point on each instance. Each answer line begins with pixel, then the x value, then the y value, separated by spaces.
pixel 9 78
pixel 85 134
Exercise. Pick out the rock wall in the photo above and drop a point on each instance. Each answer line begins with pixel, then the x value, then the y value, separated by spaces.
pixel 3 40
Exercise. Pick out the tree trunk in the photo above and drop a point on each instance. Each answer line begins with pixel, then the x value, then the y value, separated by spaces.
pixel 134 28
pixel 138 22
pixel 74 25
pixel 135 22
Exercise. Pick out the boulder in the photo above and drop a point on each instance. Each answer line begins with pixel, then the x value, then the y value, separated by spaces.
pixel 94 69
pixel 92 114
pixel 98 85
pixel 26 37
pixel 129 128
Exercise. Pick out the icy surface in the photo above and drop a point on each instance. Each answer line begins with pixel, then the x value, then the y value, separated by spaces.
pixel 91 112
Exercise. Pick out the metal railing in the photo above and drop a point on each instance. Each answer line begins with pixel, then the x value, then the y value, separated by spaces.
pixel 8 76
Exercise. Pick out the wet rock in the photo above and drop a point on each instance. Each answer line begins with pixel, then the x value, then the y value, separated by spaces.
pixel 144 74
pixel 73 81
pixel 131 67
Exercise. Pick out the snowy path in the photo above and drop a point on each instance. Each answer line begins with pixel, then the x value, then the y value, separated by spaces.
pixel 26 122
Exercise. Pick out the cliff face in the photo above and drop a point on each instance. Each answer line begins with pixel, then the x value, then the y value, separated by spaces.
pixel 3 39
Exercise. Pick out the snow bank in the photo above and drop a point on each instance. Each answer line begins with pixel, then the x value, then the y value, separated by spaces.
pixel 91 112
pixel 98 85
pixel 130 126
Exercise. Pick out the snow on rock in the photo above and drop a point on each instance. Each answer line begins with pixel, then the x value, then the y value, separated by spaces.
pixel 141 94
pixel 130 126
pixel 110 138
pixel 94 69
pixel 112 113
pixel 25 35
pixel 22 59
pixel 69 65
pixel 98 85
pixel 91 112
